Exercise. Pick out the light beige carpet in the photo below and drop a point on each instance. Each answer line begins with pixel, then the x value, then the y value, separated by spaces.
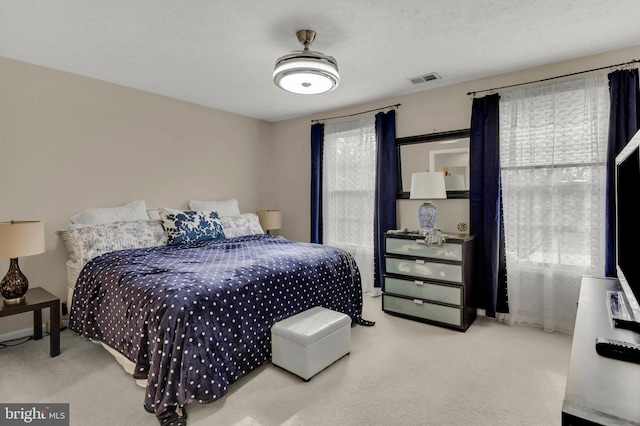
pixel 399 372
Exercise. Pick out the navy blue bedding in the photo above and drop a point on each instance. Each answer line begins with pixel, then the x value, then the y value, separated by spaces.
pixel 194 318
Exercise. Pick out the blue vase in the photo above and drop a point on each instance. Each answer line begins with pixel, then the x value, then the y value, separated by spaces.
pixel 426 217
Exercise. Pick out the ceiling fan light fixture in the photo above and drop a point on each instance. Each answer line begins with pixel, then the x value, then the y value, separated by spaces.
pixel 306 72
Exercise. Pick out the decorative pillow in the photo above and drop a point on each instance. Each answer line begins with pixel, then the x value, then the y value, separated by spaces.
pixel 84 242
pixel 185 226
pixel 136 210
pixel 154 214
pixel 223 208
pixel 70 243
pixel 241 225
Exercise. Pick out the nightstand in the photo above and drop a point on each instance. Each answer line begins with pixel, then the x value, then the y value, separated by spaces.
pixel 429 283
pixel 37 299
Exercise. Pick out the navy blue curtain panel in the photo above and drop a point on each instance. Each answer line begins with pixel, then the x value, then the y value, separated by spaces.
pixel 386 188
pixel 623 124
pixel 317 142
pixel 485 204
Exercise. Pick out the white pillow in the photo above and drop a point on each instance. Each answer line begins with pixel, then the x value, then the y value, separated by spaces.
pixel 154 214
pixel 136 210
pixel 241 225
pixel 70 243
pixel 223 208
pixel 84 242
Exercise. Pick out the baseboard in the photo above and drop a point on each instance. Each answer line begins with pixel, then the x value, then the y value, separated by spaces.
pixel 27 332
pixel 18 334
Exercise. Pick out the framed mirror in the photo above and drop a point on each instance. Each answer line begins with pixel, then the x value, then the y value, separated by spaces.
pixel 447 152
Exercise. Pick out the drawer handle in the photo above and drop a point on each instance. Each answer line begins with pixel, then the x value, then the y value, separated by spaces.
pixel 419 282
pixel 417 301
pixel 420 261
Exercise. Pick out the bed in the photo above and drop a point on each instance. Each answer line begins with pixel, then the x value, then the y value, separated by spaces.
pixel 194 316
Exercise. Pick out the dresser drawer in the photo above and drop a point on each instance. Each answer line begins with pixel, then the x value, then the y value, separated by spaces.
pixel 420 309
pixel 448 251
pixel 424 269
pixel 423 290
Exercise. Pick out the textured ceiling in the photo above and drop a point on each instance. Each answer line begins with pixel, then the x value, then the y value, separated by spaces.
pixel 222 53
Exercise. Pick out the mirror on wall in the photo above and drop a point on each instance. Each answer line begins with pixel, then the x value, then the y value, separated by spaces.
pixel 447 152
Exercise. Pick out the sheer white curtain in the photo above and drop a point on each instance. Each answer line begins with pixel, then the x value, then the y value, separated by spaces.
pixel 348 192
pixel 553 144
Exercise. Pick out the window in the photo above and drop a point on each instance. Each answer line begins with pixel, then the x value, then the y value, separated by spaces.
pixel 553 143
pixel 349 164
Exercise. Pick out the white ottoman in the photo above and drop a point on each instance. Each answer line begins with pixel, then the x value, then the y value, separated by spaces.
pixel 310 341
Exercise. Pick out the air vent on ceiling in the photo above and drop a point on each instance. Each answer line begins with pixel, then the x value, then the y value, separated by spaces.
pixel 424 78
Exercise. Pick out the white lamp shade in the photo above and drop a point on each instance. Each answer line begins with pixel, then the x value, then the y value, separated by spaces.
pixel 18 239
pixel 428 186
pixel 270 219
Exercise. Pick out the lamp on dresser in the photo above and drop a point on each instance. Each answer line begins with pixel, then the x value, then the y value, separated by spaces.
pixel 270 219
pixel 18 239
pixel 427 186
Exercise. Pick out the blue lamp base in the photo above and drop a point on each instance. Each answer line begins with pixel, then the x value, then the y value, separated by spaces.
pixel 427 217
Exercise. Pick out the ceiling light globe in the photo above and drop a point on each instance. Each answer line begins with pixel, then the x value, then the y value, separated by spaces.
pixel 306 72
pixel 306 76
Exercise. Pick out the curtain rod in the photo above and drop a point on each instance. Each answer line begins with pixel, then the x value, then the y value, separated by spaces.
pixel 553 78
pixel 357 113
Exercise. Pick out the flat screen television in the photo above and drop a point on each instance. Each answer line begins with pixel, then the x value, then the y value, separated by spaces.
pixel 627 193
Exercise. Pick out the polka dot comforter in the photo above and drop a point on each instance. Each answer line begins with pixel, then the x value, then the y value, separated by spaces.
pixel 194 318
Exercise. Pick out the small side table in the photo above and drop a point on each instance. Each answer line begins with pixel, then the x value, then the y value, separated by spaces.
pixel 35 300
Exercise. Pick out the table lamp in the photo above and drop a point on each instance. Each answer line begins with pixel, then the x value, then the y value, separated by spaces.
pixel 270 219
pixel 427 186
pixel 18 239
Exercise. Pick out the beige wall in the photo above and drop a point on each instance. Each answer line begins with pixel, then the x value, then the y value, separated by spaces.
pixel 437 110
pixel 68 143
